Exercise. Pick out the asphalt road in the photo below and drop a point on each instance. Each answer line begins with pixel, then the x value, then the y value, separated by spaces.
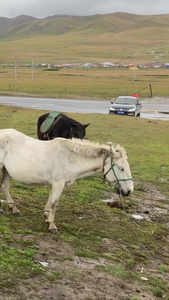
pixel 154 108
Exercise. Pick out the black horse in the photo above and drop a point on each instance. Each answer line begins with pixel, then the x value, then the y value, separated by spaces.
pixel 59 125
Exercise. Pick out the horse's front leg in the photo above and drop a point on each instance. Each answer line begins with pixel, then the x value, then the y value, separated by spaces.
pixel 53 201
pixel 5 183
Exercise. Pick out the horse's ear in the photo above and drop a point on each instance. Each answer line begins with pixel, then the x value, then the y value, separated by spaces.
pixel 86 125
pixel 116 153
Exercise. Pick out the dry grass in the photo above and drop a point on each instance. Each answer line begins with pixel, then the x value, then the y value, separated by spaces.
pixel 84 83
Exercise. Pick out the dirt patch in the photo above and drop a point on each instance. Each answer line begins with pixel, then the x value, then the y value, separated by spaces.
pixel 81 279
pixel 87 285
pixel 72 277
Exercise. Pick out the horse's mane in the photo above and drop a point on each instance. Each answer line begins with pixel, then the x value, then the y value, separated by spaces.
pixel 92 149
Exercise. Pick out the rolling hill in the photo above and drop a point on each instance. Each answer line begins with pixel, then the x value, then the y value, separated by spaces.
pixel 111 36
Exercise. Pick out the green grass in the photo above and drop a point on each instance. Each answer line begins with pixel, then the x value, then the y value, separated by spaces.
pixel 158 286
pixel 120 272
pixel 92 229
pixel 17 263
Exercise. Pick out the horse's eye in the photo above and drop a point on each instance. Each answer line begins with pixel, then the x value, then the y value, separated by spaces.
pixel 122 169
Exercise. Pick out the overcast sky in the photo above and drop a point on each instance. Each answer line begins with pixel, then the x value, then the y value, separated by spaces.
pixel 45 8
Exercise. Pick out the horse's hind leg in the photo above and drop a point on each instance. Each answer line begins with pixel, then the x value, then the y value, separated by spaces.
pixel 5 187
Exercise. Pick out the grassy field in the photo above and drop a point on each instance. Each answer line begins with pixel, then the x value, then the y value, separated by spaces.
pixel 88 226
pixel 119 38
pixel 83 83
pixel 110 37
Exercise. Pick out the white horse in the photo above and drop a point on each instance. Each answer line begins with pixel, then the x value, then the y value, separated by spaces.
pixel 59 163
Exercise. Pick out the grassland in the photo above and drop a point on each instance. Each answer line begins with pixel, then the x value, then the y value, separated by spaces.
pixel 96 244
pixel 83 83
pixel 118 38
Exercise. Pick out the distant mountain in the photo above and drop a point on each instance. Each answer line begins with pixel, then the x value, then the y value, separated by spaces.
pixel 111 37
pixel 24 26
pixel 20 20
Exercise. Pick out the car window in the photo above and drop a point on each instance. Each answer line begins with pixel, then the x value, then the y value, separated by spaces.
pixel 125 101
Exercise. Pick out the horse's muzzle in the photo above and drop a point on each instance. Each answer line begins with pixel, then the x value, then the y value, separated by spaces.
pixel 122 192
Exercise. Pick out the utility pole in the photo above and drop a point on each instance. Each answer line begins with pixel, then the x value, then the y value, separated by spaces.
pixel 32 75
pixel 134 74
pixel 15 71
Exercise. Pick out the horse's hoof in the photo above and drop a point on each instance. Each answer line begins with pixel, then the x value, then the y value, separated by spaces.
pixel 17 214
pixel 54 230
pixel 1 212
